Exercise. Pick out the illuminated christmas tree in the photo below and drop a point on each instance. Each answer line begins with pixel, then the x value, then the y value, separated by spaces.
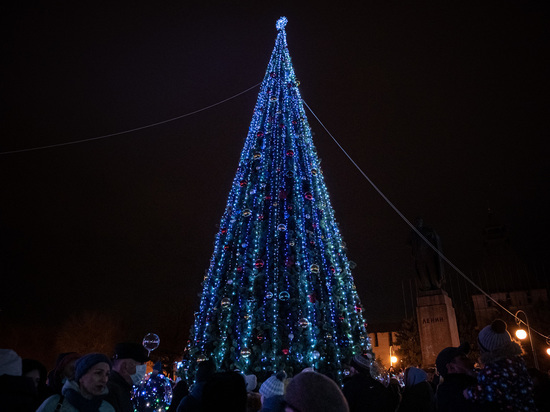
pixel 279 293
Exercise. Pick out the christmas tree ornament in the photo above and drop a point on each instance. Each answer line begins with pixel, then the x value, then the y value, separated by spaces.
pixel 314 268
pixel 284 296
pixel 225 303
pixel 303 323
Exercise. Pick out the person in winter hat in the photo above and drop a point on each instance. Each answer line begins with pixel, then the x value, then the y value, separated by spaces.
pixel 363 392
pixel 456 372
pixel 418 394
pixel 192 402
pixel 503 383
pixel 272 391
pixel 128 370
pixel 224 391
pixel 17 393
pixel 85 393
pixel 63 371
pixel 313 392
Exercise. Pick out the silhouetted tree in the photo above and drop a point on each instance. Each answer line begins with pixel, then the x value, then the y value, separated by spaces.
pixel 408 341
pixel 89 332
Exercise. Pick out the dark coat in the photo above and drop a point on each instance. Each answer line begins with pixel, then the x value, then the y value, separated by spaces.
pixel 17 394
pixel 449 395
pixel 120 393
pixel 273 404
pixel 364 393
pixel 418 398
pixel 192 402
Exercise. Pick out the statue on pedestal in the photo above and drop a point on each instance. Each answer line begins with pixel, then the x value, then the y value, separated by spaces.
pixel 428 263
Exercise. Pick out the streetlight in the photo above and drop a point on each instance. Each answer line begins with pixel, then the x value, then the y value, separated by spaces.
pixel 519 334
pixel 393 358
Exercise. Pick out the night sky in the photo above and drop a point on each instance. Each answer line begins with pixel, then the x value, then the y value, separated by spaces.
pixel 444 107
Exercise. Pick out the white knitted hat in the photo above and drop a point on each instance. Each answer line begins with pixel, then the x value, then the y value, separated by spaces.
pixel 10 363
pixel 493 336
pixel 273 386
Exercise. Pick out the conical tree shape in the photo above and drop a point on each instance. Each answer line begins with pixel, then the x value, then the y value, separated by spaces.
pixel 279 292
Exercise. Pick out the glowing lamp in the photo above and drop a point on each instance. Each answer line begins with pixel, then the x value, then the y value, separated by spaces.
pixel 521 334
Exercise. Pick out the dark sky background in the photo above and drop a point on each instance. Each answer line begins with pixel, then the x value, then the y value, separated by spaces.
pixel 444 106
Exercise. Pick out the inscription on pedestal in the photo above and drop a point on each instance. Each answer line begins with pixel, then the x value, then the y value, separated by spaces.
pixel 437 324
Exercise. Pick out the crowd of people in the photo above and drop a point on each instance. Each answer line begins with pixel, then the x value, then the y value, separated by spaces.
pixel 95 382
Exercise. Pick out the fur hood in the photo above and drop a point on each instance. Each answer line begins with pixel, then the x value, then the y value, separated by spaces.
pixel 509 350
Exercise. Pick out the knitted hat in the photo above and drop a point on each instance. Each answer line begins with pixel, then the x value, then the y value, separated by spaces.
pixel 251 382
pixel 10 363
pixel 414 376
pixel 493 336
pixel 85 363
pixel 313 392
pixel 361 363
pixel 447 355
pixel 273 386
pixel 205 370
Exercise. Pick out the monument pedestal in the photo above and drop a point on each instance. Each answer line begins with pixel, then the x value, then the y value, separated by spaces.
pixel 436 324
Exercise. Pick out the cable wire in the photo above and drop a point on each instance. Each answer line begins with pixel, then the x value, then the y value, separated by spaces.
pixel 436 250
pixel 131 130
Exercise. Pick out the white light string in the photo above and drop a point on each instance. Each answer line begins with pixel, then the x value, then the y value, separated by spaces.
pixel 131 130
pixel 412 226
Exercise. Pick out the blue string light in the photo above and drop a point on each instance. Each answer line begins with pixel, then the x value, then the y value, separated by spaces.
pixel 279 291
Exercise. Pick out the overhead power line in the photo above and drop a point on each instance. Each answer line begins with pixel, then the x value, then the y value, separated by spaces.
pixel 130 130
pixel 436 250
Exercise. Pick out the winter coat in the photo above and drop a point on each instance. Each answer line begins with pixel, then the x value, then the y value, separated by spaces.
pixel 504 382
pixel 120 393
pixel 364 393
pixel 192 402
pixel 273 404
pixel 449 396
pixel 50 404
pixel 17 394
pixel 418 398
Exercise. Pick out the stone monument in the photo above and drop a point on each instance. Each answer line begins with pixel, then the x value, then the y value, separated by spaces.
pixel 434 309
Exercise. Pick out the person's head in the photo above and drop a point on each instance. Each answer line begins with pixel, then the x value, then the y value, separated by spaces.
pixel 453 360
pixel 313 392
pixel 35 371
pixel 414 376
pixel 251 382
pixel 494 336
pixel 273 386
pixel 129 361
pixel 360 364
pixel 224 391
pixel 91 373
pixel 205 370
pixel 10 363
pixel 65 367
